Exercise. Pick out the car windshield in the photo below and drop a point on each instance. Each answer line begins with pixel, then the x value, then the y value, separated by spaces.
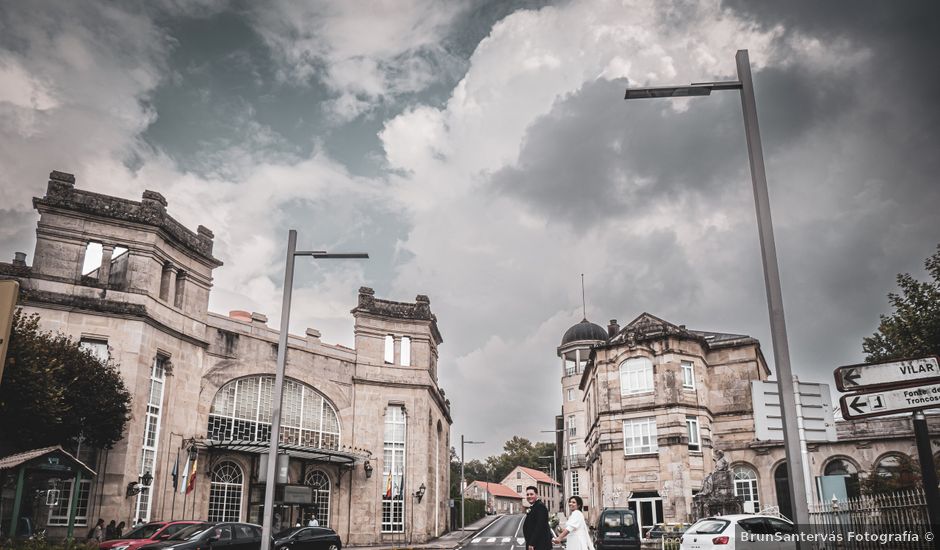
pixel 710 526
pixel 143 532
pixel 287 532
pixel 190 532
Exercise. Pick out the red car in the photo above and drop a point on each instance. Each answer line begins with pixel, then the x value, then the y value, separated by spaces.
pixel 145 534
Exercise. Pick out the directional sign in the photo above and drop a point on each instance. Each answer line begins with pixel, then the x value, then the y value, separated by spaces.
pixel 861 405
pixel 904 372
pixel 815 409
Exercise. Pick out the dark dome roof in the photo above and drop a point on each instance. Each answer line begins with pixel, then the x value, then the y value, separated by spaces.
pixel 585 330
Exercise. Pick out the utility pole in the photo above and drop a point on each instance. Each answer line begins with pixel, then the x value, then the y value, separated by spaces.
pixel 463 480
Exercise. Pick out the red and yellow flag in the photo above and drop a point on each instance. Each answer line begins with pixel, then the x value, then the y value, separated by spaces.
pixel 388 486
pixel 191 482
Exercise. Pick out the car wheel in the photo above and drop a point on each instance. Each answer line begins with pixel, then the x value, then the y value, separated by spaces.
pixel 333 546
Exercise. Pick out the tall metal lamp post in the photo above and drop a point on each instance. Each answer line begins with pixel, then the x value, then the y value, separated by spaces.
pixel 292 253
pixel 778 328
pixel 463 480
pixel 565 474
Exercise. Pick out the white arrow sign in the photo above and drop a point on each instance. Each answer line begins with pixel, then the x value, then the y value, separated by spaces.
pixel 860 405
pixel 905 372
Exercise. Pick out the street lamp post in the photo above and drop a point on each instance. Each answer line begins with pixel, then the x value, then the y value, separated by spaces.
pixel 270 480
pixel 463 480
pixel 564 453
pixel 778 328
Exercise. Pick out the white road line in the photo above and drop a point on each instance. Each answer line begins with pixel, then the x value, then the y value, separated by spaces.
pixel 506 539
pixel 520 541
pixel 491 539
pixel 476 540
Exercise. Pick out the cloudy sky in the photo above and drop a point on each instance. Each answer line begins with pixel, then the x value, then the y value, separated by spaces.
pixel 482 153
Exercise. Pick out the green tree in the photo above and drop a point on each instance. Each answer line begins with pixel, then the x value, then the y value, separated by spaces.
pixel 895 473
pixel 913 330
pixel 54 392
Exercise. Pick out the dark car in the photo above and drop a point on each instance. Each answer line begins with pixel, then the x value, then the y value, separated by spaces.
pixel 218 536
pixel 307 538
pixel 617 529
pixel 143 535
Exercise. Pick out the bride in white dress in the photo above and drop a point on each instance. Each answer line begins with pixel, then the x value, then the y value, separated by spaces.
pixel 575 528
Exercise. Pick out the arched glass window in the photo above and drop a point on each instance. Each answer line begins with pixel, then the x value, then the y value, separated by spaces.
pixel 241 411
pixel 782 488
pixel 745 485
pixel 839 467
pixel 636 376
pixel 225 492
pixel 320 484
pixel 894 472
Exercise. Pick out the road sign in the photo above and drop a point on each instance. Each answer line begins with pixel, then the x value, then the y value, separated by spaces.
pixel 815 409
pixel 894 374
pixel 890 401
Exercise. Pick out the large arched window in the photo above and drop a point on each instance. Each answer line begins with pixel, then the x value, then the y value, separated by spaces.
pixel 241 411
pixel 782 487
pixel 636 376
pixel 894 472
pixel 225 492
pixel 840 467
pixel 745 486
pixel 320 483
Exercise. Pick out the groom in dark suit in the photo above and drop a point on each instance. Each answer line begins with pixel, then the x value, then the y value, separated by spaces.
pixel 538 535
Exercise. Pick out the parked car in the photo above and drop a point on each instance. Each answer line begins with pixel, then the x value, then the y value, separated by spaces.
pixel 307 538
pixel 725 533
pixel 669 530
pixel 145 534
pixel 218 535
pixel 617 529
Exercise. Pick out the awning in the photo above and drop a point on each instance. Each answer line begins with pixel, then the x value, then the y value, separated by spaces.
pixel 307 453
pixel 51 462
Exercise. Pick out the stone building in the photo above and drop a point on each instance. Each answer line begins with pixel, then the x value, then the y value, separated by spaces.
pixel 365 431
pixel 499 498
pixel 660 400
pixel 521 477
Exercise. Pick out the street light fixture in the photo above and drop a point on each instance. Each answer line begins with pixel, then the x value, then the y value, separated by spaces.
pixel 463 480
pixel 278 395
pixel 778 328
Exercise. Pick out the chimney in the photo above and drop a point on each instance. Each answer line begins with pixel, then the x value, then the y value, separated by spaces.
pixel 613 328
pixel 240 315
pixel 19 259
pixel 259 318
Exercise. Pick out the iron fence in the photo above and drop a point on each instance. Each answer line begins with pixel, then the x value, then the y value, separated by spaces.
pixel 889 520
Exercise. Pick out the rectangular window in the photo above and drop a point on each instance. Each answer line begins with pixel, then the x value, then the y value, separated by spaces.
pixel 59 512
pixel 151 433
pixel 695 443
pixel 569 367
pixel 572 430
pixel 518 475
pixel 180 288
pixel 97 347
pixel 393 501
pixel 636 376
pixel 571 394
pixel 688 375
pixel 405 351
pixel 639 436
pixel 572 449
pixel 575 484
pixel 389 348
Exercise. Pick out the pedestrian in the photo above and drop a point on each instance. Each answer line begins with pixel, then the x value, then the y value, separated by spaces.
pixel 538 535
pixel 140 521
pixel 109 531
pixel 312 521
pixel 575 527
pixel 119 530
pixel 97 532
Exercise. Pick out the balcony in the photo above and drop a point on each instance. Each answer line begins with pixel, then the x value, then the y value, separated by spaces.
pixel 575 461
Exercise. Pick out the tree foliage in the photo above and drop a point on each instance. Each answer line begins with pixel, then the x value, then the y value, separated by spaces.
pixel 913 330
pixel 905 475
pixel 53 391
pixel 518 451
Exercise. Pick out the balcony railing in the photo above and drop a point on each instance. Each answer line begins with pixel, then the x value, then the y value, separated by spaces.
pixel 575 461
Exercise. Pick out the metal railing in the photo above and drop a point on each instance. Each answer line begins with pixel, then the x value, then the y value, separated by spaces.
pixel 859 522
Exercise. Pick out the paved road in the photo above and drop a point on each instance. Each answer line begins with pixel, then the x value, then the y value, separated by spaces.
pixel 503 534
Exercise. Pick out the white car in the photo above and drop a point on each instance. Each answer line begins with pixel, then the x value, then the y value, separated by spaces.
pixel 740 532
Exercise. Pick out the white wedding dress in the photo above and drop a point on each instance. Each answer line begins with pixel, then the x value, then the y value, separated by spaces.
pixel 578 537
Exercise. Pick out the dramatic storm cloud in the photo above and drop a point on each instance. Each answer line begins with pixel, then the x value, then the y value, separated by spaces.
pixel 482 153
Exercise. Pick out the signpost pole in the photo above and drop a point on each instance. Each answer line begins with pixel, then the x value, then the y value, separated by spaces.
pixel 928 473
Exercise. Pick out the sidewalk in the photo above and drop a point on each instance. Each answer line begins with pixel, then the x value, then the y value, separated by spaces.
pixel 449 541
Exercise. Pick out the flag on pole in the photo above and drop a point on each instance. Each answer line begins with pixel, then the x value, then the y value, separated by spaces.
pixel 175 474
pixel 388 486
pixel 185 478
pixel 191 483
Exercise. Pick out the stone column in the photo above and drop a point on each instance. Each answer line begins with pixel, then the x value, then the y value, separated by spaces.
pixel 169 275
pixel 104 272
pixel 396 359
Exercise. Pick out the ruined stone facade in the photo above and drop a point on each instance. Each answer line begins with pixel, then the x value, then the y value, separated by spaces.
pixel 201 383
pixel 661 399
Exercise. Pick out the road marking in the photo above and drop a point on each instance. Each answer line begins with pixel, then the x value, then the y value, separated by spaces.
pixel 491 539
pixel 520 541
pixel 476 540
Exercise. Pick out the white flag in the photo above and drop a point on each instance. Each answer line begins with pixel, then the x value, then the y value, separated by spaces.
pixel 185 480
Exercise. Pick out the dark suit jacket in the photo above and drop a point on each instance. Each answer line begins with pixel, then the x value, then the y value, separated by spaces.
pixel 535 527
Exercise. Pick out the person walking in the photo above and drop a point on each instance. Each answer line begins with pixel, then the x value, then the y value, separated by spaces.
pixel 119 530
pixel 535 529
pixel 97 532
pixel 109 531
pixel 575 527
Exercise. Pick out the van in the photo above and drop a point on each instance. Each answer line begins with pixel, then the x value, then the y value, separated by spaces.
pixel 617 529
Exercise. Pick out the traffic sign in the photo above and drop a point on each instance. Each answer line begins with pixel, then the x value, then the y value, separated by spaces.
pixel 890 401
pixel 893 374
